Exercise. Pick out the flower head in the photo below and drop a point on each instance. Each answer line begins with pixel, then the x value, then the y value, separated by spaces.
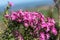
pixel 54 31
pixel 26 25
pixel 42 36
pixel 7 16
pixel 47 36
pixel 10 3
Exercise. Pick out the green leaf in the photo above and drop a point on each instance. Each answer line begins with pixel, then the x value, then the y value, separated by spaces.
pixel 11 39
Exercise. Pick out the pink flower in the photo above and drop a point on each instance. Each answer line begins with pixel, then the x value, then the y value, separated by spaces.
pixel 48 29
pixel 31 24
pixel 19 20
pixel 52 20
pixel 10 3
pixel 47 36
pixel 49 24
pixel 54 31
pixel 42 36
pixel 26 25
pixel 36 21
pixel 7 16
pixel 49 19
pixel 21 12
pixel 42 17
pixel 43 25
pixel 36 29
pixel 14 16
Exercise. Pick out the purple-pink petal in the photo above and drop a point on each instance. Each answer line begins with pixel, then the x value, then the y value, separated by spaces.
pixel 54 31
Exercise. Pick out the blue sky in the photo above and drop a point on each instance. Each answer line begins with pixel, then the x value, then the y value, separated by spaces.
pixel 24 3
pixel 4 2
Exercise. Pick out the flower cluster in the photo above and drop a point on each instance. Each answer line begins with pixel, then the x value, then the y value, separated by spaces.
pixel 42 26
